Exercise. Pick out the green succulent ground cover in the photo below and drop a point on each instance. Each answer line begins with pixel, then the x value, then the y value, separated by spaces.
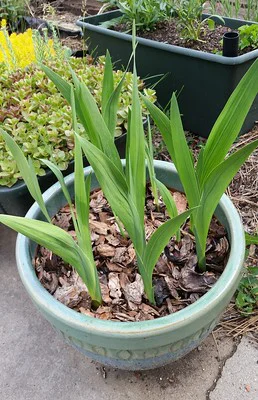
pixel 37 116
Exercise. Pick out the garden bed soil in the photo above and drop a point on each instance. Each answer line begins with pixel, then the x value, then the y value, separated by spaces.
pixel 169 32
pixel 176 281
pixel 64 7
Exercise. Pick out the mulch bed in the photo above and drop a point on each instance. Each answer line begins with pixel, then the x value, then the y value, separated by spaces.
pixel 176 281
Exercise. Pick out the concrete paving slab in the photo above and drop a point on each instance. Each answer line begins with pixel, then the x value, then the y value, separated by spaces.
pixel 239 379
pixel 35 363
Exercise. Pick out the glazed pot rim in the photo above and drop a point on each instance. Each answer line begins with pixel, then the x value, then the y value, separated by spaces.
pixel 50 306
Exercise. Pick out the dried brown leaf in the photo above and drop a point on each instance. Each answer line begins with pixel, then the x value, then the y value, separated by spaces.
pixel 105 293
pixel 114 241
pixel 172 287
pixel 114 285
pixel 181 202
pixel 192 281
pixel 105 250
pixel 113 267
pixel 99 227
pixel 133 291
pixel 87 312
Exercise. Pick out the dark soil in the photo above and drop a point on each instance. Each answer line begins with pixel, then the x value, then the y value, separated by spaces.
pixel 170 32
pixel 176 281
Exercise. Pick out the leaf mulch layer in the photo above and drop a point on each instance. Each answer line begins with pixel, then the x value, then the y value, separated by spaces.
pixel 243 192
pixel 176 281
pixel 170 32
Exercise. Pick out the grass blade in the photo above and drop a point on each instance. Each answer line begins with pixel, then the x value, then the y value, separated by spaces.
pixel 168 199
pixel 150 164
pixel 251 239
pixel 81 190
pixel 110 114
pixel 111 99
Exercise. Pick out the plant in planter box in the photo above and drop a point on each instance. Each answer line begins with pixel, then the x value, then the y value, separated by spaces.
pixel 149 343
pixel 145 13
pixel 248 36
pixel 189 16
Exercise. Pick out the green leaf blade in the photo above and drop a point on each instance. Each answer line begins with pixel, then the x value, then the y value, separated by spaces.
pixel 184 162
pixel 163 124
pixel 136 155
pixel 27 172
pixel 63 86
pixel 214 187
pixel 230 121
pixel 160 239
pixel 108 84
pixel 61 243
pixel 112 182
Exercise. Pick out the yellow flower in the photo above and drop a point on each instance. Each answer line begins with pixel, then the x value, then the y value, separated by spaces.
pixel 18 50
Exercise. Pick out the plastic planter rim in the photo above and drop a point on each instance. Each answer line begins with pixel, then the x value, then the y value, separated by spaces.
pixel 49 305
pixel 87 26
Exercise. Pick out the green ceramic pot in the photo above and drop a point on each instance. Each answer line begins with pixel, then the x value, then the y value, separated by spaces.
pixel 139 345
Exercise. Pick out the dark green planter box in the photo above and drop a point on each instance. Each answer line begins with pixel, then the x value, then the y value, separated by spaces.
pixel 17 199
pixel 204 81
